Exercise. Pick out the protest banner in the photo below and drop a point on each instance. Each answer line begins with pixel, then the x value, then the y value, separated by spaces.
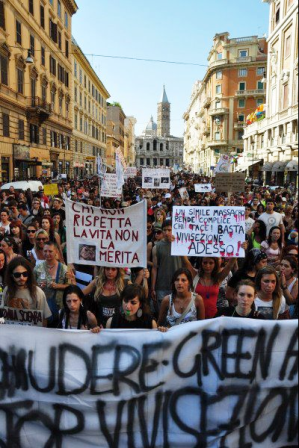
pixel 130 172
pixel 219 383
pixel 51 189
pixel 184 193
pixel 109 188
pixel 224 165
pixel 208 231
pixel 203 188
pixel 230 182
pixel 156 178
pixel 15 316
pixel 119 154
pixel 100 237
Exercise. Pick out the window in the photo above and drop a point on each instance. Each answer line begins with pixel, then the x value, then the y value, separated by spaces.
pixel 161 162
pixel 260 71
pixel 148 162
pixel 67 49
pixel 148 146
pixel 80 98
pixel 161 147
pixel 2 15
pixel 241 103
pixel 76 121
pixel 66 79
pixel 259 102
pixel 60 104
pixel 32 45
pixel 51 2
pixel 58 8
pixel 53 97
pixel 219 74
pixel 4 70
pixel 18 32
pixel 80 76
pixel 141 162
pixel 260 85
pixel 43 56
pixel 242 86
pixel 44 134
pixel 219 56
pixel 241 118
pixel 75 69
pixel 217 136
pixel 243 53
pixel 53 31
pixel 277 14
pixel 21 129
pixel 66 20
pixel 285 96
pixel 287 50
pixel 81 124
pixel 52 66
pixel 243 72
pixel 20 79
pixel 218 104
pixel 76 94
pixel 59 40
pixel 31 9
pixel 33 89
pixel 44 92
pixel 5 120
pixel 42 16
pixel 240 135
pixel 218 89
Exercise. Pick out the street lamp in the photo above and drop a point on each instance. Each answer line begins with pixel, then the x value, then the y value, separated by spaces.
pixel 29 59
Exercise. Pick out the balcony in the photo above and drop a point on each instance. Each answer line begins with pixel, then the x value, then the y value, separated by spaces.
pixel 219 111
pixel 257 92
pixel 240 40
pixel 206 102
pixel 214 143
pixel 244 59
pixel 239 125
pixel 38 109
pixel 207 130
pixel 218 63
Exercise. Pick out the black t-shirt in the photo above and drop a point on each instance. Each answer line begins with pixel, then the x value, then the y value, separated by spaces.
pixel 231 312
pixel 119 321
pixel 60 211
pixel 238 276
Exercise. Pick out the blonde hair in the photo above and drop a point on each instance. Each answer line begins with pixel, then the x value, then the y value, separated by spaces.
pixel 101 280
pixel 162 211
pixel 40 232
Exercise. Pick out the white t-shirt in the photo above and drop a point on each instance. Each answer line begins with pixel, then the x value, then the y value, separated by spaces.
pixel 271 220
pixel 23 300
pixel 7 227
pixel 248 224
pixel 266 308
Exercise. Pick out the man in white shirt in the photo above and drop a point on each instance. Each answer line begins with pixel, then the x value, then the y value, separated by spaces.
pixel 272 218
pixel 248 220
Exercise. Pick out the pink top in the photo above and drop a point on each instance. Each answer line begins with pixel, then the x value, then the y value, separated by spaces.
pixel 210 298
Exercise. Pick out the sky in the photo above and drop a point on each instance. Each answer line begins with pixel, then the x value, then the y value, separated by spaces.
pixel 171 30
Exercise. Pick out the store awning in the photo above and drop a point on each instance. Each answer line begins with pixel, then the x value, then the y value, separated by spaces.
pixel 292 165
pixel 279 167
pixel 50 164
pixel 267 166
pixel 247 165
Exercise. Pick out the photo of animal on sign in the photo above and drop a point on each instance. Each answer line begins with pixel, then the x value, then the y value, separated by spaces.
pixel 208 231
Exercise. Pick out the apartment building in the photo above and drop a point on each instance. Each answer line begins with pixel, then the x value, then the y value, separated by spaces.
pixel 115 132
pixel 89 115
pixel 231 88
pixel 274 140
pixel 35 87
pixel 129 149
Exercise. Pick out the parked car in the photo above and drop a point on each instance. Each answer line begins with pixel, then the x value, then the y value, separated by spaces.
pixel 23 185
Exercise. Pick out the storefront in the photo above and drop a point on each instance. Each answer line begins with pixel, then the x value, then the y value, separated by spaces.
pixel 292 172
pixel 25 167
pixel 278 171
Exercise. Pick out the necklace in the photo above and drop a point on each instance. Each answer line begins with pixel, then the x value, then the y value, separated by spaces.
pixel 208 292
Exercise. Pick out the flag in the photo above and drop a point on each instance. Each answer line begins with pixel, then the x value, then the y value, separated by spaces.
pixel 100 166
pixel 119 169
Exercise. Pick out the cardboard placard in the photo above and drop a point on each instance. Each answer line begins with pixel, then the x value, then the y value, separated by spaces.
pixel 230 182
pixel 51 189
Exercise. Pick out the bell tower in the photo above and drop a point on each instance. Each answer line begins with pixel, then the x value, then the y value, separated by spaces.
pixel 163 119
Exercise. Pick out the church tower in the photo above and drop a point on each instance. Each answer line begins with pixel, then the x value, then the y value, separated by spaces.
pixel 163 120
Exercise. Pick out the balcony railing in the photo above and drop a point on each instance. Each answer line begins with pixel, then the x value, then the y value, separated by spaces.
pixel 207 130
pixel 256 92
pixel 239 40
pixel 219 63
pixel 213 143
pixel 206 102
pixel 36 102
pixel 219 111
pixel 239 125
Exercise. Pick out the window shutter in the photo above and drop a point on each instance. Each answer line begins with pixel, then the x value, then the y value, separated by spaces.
pixel 2 15
pixel 5 119
pixel 4 69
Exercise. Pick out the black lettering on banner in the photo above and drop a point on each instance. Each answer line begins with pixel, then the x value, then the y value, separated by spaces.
pixel 197 364
pixel 144 422
pixel 112 442
pixel 207 349
pixel 65 349
pixel 290 353
pixel 51 370
pixel 97 350
pixel 149 365
pixel 263 353
pixel 122 375
pixel 238 355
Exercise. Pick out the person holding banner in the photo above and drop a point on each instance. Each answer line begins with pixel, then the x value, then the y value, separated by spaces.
pixel 182 305
pixel 73 315
pixel 21 291
pixel 134 312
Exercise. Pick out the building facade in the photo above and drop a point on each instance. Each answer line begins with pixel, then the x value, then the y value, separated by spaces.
pixel 231 88
pixel 89 116
pixel 129 149
pixel 35 88
pixel 156 147
pixel 274 140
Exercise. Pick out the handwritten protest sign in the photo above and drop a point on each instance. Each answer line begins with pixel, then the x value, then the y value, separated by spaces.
pixel 184 193
pixel 224 165
pixel 130 172
pixel 156 178
pixel 106 237
pixel 212 384
pixel 14 316
pixel 203 188
pixel 109 187
pixel 208 231
pixel 230 182
pixel 51 189
pixel 122 159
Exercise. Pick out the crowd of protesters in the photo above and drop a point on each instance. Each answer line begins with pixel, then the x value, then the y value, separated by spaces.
pixel 35 274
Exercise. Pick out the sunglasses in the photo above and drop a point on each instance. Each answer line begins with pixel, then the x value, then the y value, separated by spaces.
pixel 41 239
pixel 31 231
pixel 20 274
pixel 158 232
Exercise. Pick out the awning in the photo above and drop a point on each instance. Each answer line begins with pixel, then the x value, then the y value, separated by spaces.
pixel 50 164
pixel 279 167
pixel 292 165
pixel 267 166
pixel 247 165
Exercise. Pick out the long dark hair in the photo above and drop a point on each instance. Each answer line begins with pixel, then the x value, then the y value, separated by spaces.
pixel 277 294
pixel 263 229
pixel 270 236
pixel 215 272
pixel 10 283
pixel 82 321
pixel 51 231
pixel 3 270
pixel 181 271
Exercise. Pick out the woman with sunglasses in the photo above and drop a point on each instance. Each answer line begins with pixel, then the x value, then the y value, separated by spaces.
pixel 29 242
pixel 10 248
pixel 22 292
pixel 37 254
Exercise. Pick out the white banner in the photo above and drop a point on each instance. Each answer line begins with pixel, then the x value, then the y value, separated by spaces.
pixel 15 316
pixel 99 237
pixel 208 231
pixel 109 188
pixel 118 152
pixel 203 188
pixel 213 384
pixel 156 178
pixel 130 172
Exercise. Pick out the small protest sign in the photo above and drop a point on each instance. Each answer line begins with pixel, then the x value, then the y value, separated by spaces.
pixel 184 193
pixel 15 316
pixel 109 188
pixel 100 237
pixel 208 231
pixel 130 172
pixel 203 188
pixel 230 182
pixel 51 189
pixel 223 166
pixel 156 178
